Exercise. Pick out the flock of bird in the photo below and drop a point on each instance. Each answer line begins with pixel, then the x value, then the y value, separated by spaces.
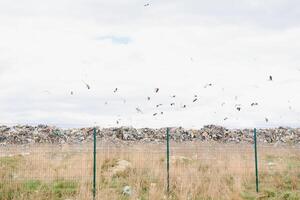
pixel 238 107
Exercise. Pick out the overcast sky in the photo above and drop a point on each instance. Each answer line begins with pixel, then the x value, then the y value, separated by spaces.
pixel 50 48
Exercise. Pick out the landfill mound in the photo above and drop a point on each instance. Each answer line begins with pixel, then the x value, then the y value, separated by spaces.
pixel 44 134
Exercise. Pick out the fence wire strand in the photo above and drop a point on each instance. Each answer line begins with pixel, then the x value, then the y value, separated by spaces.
pixel 196 170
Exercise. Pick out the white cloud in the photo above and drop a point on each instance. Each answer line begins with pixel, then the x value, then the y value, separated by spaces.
pixel 178 47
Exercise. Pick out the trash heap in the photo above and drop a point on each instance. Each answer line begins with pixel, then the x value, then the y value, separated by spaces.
pixel 44 134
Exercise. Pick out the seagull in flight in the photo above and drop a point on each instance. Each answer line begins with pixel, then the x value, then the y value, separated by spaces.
pixel 158 105
pixel 270 78
pixel 87 85
pixel 138 110
pixel 207 85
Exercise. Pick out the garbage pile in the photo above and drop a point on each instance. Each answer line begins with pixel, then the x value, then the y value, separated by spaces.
pixel 44 134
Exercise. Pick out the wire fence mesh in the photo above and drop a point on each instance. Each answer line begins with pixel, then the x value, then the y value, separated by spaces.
pixel 197 170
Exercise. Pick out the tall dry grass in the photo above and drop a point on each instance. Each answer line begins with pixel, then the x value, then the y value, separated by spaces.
pixel 197 171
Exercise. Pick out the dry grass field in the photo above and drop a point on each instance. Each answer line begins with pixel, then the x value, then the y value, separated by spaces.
pixel 198 171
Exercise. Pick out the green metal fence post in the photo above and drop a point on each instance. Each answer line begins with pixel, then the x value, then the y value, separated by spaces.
pixel 94 168
pixel 168 160
pixel 256 165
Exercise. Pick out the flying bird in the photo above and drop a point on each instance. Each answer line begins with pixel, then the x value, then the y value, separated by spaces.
pixel 173 96
pixel 172 104
pixel 207 85
pixel 72 92
pixel 238 108
pixel 87 85
pixel 184 106
pixel 225 118
pixel 147 4
pixel 115 90
pixel 158 105
pixel 161 113
pixel 138 110
pixel 270 78
pixel 154 114
pixel 148 98
pixel 254 104
pixel 156 90
pixel 267 120
pixel 195 100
